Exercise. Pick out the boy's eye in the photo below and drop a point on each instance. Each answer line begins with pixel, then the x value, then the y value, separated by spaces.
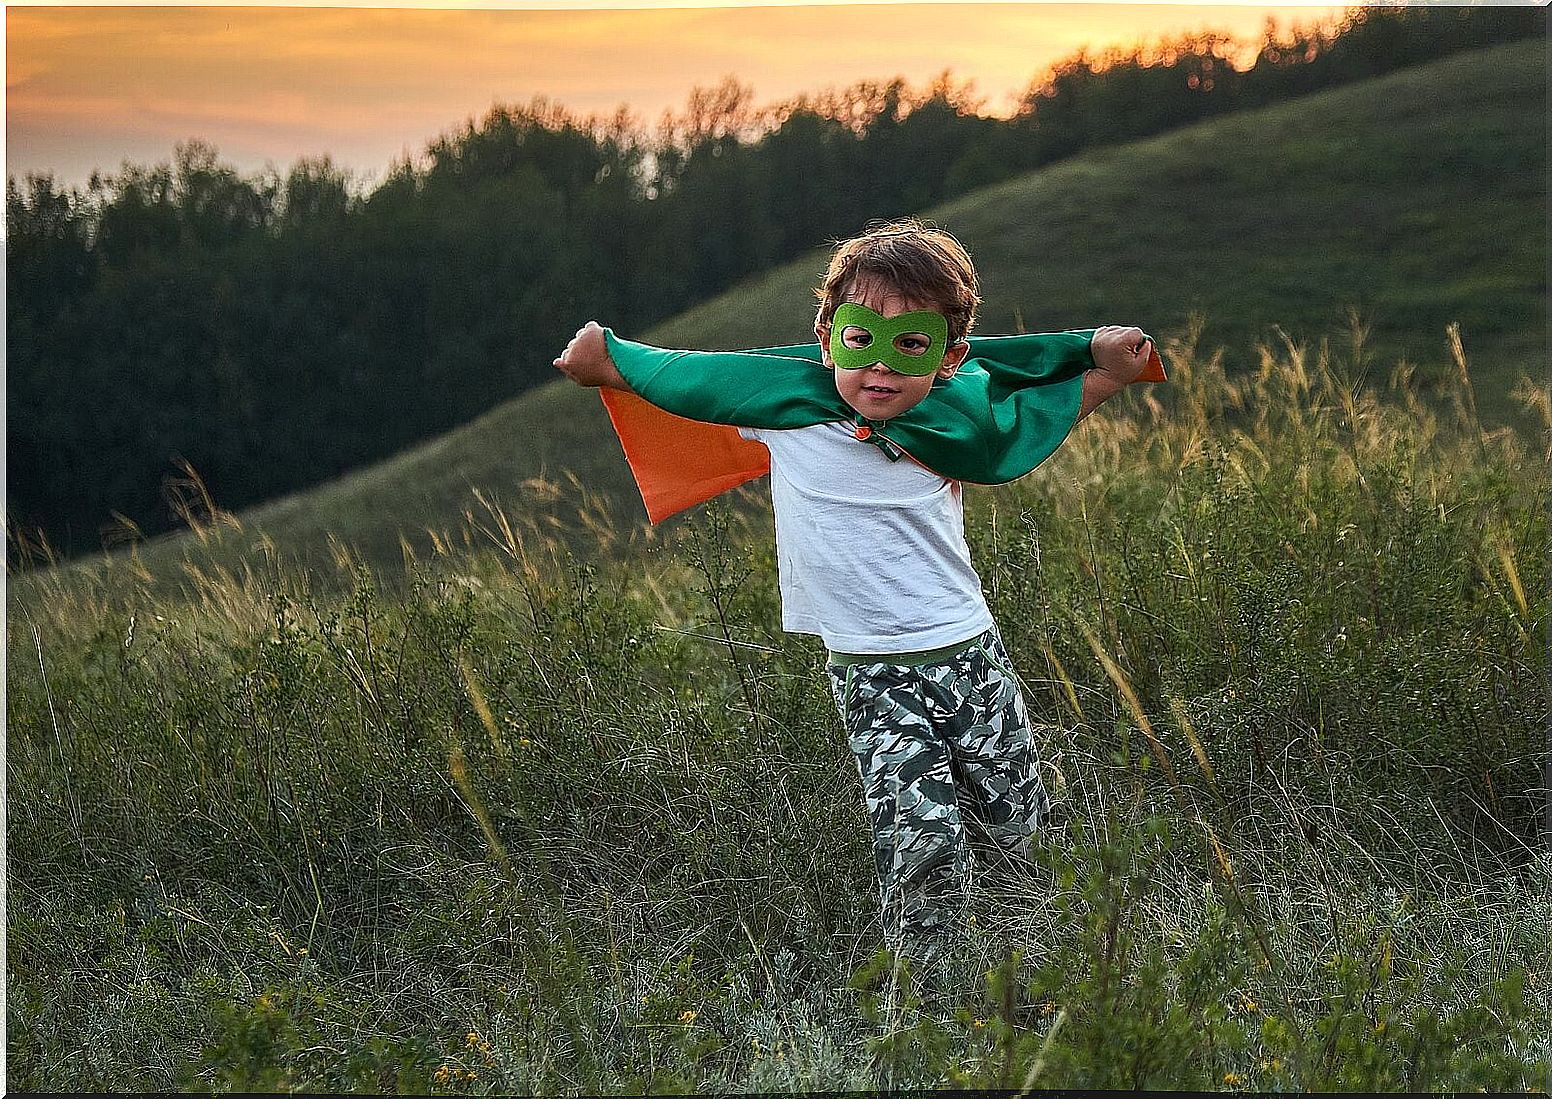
pixel 852 336
pixel 913 343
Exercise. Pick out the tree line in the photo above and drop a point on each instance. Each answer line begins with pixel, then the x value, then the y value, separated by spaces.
pixel 274 331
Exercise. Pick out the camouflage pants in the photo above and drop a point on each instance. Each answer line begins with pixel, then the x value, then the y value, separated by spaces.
pixel 945 754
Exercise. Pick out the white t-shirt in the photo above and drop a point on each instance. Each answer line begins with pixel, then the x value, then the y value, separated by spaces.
pixel 870 554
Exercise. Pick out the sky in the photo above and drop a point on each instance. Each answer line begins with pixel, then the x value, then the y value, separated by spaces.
pixel 90 87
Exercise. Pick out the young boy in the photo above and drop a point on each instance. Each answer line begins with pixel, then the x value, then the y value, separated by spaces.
pixel 871 552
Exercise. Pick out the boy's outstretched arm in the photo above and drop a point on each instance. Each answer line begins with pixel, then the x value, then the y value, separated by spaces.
pixel 1120 353
pixel 586 360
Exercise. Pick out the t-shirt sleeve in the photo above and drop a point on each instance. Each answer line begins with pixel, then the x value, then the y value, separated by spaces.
pixel 752 433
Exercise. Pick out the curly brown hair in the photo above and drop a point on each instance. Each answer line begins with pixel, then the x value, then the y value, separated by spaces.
pixel 922 262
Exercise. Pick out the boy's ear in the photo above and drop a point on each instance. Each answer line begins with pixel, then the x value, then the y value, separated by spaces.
pixel 954 358
pixel 822 333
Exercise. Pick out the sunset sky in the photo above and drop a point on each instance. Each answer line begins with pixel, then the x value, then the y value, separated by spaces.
pixel 90 87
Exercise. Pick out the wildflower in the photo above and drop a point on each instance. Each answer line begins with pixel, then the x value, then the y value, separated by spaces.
pixel 687 1016
pixel 1249 1005
pixel 979 1024
pixel 523 742
pixel 1233 1079
pixel 443 1074
pixel 473 1039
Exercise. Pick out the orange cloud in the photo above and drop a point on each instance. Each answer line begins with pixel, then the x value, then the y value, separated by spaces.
pixel 274 83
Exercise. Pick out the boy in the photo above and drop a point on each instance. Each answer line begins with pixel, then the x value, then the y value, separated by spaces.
pixel 871 550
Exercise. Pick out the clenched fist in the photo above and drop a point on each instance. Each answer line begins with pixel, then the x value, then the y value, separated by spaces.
pixel 1121 351
pixel 586 360
pixel 1120 354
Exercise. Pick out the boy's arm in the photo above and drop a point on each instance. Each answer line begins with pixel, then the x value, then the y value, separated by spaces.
pixel 765 387
pixel 586 360
pixel 1120 354
pixel 720 382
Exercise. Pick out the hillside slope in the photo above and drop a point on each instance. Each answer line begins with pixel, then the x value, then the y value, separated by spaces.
pixel 1416 198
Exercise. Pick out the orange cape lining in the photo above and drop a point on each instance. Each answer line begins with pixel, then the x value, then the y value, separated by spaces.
pixel 678 462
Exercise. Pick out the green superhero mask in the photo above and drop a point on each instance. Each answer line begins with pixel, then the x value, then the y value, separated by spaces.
pixel 884 336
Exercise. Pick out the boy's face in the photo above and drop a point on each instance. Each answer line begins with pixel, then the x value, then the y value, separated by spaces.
pixel 876 391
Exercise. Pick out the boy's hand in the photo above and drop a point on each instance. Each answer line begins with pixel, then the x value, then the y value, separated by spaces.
pixel 1120 354
pixel 586 360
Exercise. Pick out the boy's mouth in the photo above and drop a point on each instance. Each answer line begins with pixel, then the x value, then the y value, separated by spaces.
pixel 880 390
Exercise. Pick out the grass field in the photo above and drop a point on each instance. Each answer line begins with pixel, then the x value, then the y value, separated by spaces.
pixel 1417 199
pixel 537 825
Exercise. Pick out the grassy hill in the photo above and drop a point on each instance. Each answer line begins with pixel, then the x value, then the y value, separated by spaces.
pixel 1416 199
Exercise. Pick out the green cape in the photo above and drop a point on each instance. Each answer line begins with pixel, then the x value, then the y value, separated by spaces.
pixel 1011 404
